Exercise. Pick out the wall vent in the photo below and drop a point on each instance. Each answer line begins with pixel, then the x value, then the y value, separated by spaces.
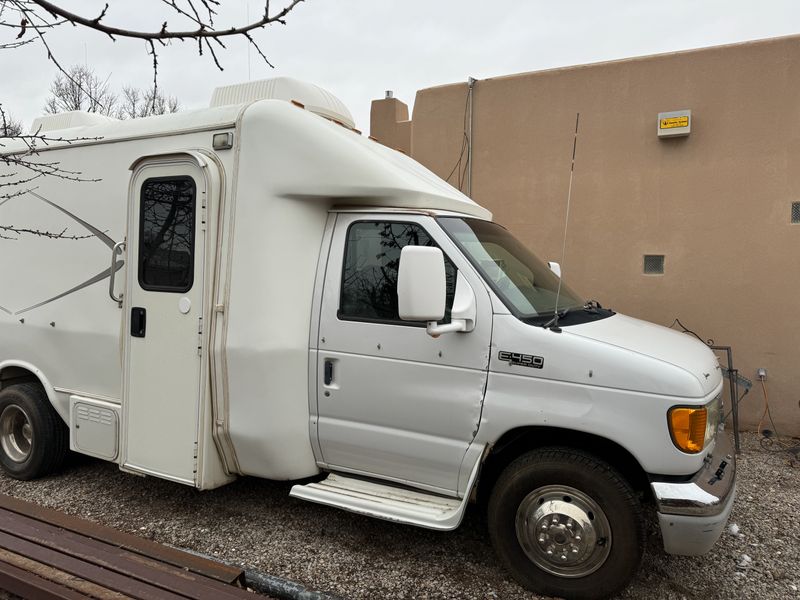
pixel 795 212
pixel 654 264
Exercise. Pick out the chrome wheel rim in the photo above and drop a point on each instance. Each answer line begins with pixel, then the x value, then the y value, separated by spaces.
pixel 563 531
pixel 16 433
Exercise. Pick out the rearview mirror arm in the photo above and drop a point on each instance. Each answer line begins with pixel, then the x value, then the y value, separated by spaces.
pixel 462 316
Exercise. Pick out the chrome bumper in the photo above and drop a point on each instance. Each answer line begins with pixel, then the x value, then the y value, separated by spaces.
pixel 692 514
pixel 706 494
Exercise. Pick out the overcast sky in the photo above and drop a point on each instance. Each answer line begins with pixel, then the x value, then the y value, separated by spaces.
pixel 357 49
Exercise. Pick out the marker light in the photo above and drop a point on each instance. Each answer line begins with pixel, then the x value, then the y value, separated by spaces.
pixel 687 426
pixel 222 141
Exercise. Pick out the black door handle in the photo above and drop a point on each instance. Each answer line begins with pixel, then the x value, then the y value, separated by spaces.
pixel 328 372
pixel 138 321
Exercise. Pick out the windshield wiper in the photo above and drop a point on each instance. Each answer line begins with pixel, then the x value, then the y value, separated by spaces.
pixel 553 323
pixel 592 306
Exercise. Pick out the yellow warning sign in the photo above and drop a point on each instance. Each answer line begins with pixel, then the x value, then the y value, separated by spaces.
pixel 673 122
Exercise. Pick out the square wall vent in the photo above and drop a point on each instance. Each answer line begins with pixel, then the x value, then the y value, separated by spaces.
pixel 654 264
pixel 795 212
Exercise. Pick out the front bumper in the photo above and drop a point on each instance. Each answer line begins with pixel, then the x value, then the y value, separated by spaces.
pixel 692 514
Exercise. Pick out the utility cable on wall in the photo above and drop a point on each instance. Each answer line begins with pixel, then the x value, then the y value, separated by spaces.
pixel 464 167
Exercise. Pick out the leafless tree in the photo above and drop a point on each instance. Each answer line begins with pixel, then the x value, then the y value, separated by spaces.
pixel 9 126
pixel 29 21
pixel 26 168
pixel 34 18
pixel 135 103
pixel 81 89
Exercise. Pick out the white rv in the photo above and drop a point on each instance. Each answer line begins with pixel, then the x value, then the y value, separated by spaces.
pixel 256 289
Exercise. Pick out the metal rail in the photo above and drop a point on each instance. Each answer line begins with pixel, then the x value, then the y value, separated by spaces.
pixel 45 554
pixel 733 389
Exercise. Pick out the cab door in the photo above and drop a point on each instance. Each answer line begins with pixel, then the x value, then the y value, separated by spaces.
pixel 164 303
pixel 392 401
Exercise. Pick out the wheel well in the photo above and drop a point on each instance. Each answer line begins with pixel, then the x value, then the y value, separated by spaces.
pixel 14 375
pixel 518 441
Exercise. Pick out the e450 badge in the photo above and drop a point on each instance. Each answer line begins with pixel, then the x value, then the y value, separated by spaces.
pixel 522 360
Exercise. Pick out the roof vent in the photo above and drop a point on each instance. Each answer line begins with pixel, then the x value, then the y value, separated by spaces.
pixel 68 120
pixel 313 97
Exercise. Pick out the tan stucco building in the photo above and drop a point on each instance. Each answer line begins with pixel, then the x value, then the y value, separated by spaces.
pixel 718 204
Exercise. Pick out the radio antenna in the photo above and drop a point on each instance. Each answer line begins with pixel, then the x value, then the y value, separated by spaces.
pixel 554 322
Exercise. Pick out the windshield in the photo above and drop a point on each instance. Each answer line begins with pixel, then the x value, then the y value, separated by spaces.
pixel 524 283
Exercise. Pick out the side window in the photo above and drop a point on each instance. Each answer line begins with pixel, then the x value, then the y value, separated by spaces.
pixel 371 261
pixel 166 234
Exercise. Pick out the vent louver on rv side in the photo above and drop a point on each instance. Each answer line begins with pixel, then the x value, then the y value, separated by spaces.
pixel 313 97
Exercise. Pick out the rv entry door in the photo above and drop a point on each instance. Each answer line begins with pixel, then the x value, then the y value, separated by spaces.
pixel 163 302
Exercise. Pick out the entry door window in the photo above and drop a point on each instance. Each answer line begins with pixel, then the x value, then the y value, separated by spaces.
pixel 371 263
pixel 166 234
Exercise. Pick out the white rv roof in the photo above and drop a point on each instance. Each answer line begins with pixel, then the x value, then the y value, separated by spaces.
pixel 69 120
pixel 322 159
pixel 313 97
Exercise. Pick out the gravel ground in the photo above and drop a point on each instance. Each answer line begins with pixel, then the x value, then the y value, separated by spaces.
pixel 255 523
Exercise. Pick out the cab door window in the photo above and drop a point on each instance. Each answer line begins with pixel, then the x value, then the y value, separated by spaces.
pixel 371 262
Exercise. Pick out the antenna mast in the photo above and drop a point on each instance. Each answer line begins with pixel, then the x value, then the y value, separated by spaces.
pixel 566 218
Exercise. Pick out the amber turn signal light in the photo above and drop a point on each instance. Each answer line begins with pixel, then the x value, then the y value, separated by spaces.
pixel 687 426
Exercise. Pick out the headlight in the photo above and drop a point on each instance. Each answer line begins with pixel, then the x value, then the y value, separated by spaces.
pixel 714 415
pixel 691 427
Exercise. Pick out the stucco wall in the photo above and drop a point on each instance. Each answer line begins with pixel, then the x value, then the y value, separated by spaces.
pixel 717 204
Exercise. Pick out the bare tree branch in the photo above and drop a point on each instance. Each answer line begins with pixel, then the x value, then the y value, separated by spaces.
pixel 16 44
pixel 32 19
pixel 24 162
pixel 204 30
pixel 26 168
pixel 59 235
pixel 40 15
pixel 9 127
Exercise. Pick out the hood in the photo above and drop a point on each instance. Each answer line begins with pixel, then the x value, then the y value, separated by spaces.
pixel 661 343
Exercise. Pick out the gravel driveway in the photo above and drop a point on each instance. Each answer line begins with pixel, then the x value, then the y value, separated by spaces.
pixel 255 523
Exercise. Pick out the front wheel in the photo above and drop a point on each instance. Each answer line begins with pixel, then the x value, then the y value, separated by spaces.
pixel 33 439
pixel 566 524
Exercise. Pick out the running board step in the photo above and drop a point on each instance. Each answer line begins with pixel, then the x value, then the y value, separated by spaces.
pixel 385 501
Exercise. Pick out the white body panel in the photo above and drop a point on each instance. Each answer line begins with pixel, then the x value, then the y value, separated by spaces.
pixel 594 385
pixel 402 405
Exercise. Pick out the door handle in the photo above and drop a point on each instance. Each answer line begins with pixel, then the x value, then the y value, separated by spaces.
pixel 138 321
pixel 328 372
pixel 116 250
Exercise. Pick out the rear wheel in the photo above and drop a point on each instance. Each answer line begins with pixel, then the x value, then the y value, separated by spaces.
pixel 566 524
pixel 33 438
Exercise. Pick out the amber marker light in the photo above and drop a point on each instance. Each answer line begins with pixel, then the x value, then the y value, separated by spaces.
pixel 687 426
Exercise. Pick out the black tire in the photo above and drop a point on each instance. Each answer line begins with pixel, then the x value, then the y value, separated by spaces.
pixel 580 490
pixel 33 439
